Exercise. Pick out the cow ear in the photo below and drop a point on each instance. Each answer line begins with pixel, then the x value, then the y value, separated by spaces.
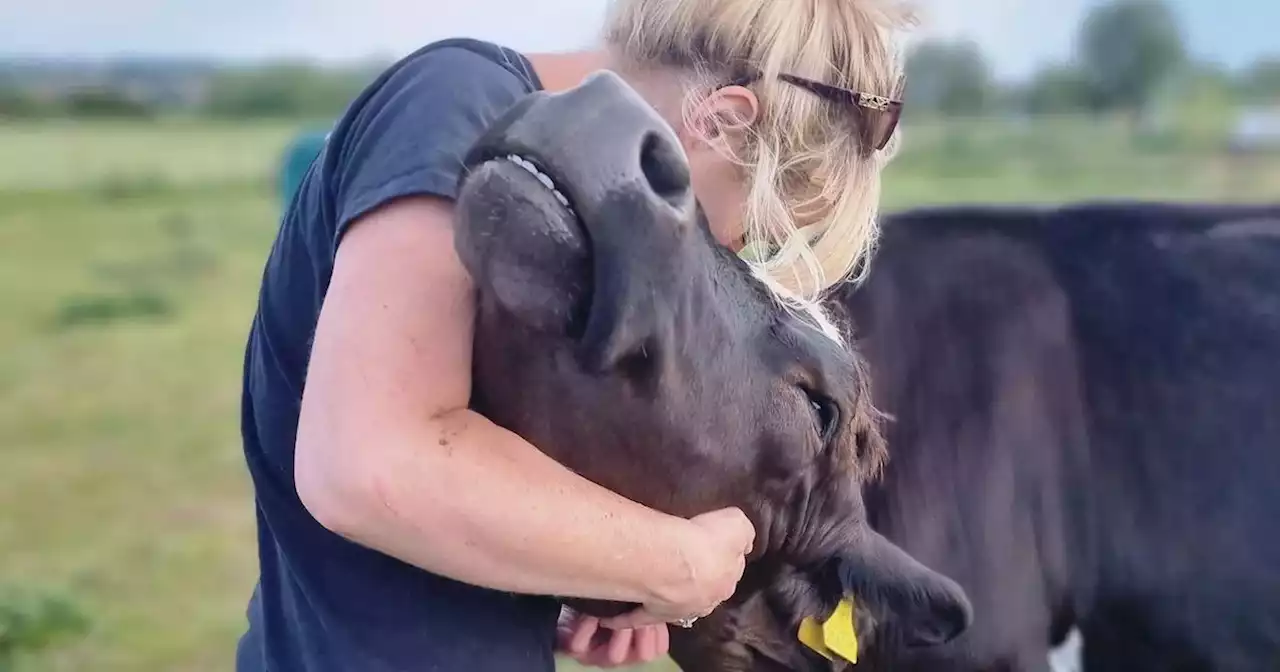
pixel 919 605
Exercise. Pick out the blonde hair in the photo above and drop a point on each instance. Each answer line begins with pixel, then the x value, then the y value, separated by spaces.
pixel 812 191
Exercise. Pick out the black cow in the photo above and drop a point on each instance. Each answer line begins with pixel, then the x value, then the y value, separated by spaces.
pixel 1085 433
pixel 617 336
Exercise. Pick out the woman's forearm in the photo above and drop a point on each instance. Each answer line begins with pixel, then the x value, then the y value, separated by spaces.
pixel 467 499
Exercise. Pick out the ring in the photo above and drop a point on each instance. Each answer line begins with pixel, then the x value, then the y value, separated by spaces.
pixel 685 622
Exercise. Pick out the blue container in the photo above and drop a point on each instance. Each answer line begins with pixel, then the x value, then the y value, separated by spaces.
pixel 296 161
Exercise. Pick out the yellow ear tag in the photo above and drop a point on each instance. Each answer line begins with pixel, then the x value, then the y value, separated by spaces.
pixel 811 636
pixel 839 633
pixel 835 637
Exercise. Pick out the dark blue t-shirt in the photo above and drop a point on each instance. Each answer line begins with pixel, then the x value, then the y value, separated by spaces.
pixel 323 603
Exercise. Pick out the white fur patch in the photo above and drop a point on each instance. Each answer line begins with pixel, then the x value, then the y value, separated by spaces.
pixel 1067 656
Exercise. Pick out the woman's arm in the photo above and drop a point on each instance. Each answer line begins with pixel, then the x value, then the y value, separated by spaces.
pixel 389 456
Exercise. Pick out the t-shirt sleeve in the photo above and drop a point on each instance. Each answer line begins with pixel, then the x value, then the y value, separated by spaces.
pixel 410 132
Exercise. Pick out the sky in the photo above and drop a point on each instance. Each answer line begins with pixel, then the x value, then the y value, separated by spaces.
pixel 1017 35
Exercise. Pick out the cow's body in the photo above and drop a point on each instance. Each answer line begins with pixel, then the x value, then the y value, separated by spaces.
pixel 1086 429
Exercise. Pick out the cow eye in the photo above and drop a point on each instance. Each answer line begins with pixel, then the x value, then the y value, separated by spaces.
pixel 826 413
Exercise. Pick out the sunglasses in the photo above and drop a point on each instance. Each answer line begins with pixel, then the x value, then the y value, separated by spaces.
pixel 876 117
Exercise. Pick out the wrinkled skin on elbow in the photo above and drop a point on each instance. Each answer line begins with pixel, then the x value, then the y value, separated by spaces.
pixel 615 335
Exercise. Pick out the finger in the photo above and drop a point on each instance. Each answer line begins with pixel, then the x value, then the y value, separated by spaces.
pixel 735 526
pixel 748 533
pixel 581 641
pixel 647 643
pixel 634 619
pixel 664 639
pixel 620 646
pixel 567 616
pixel 566 625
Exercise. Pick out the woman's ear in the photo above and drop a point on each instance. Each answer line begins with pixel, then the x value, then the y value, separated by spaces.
pixel 726 112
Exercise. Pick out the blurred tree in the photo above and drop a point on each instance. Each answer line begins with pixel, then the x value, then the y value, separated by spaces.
pixel 949 77
pixel 283 90
pixel 104 102
pixel 1128 49
pixel 1260 82
pixel 15 103
pixel 1057 89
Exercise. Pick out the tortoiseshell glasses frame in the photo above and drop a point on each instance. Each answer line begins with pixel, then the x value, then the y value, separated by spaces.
pixel 876 117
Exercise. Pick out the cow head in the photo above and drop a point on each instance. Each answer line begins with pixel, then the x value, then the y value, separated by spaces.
pixel 756 631
pixel 616 335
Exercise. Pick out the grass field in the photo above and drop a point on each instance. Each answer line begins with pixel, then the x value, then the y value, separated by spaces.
pixel 129 263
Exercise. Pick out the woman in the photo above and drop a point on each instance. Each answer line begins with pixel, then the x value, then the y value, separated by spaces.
pixel 399 530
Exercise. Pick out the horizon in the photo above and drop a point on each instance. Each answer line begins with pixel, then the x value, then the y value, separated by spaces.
pixel 1016 37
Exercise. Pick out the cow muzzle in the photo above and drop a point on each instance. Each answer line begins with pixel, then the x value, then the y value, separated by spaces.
pixel 563 189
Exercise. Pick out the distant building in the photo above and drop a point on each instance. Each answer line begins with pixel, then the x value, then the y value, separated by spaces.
pixel 1257 129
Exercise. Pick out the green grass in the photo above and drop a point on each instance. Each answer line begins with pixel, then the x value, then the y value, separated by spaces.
pixel 1067 159
pixel 129 263
pixel 61 155
pixel 122 481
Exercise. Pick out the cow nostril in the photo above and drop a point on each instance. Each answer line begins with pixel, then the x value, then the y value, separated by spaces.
pixel 664 169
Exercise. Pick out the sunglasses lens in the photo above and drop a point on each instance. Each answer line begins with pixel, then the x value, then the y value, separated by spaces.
pixel 879 126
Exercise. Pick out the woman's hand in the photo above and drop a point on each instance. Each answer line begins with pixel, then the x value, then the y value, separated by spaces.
pixel 583 639
pixel 715 555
